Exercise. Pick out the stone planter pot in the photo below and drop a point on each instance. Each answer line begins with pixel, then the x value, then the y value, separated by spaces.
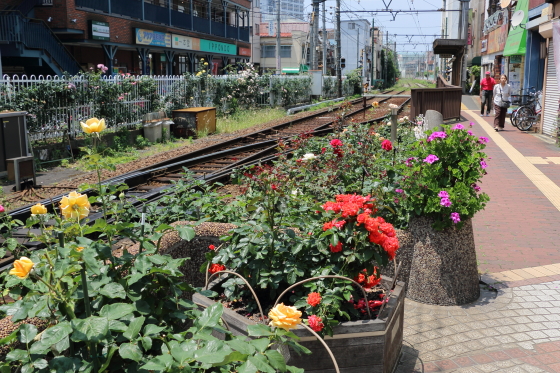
pixel 371 346
pixel 443 270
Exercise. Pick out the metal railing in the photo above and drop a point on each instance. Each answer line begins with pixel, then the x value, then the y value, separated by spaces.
pixel 56 105
pixel 34 34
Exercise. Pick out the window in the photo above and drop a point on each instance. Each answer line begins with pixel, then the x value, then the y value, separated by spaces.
pixel 257 29
pixel 286 51
pixel 351 26
pixel 268 51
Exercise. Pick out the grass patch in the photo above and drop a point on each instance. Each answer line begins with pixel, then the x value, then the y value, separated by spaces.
pixel 247 118
pixel 402 83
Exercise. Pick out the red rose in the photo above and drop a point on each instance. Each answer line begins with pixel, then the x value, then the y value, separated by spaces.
pixel 372 281
pixel 391 245
pixel 313 299
pixel 388 229
pixel 386 145
pixel 214 267
pixel 212 247
pixel 315 323
pixel 360 278
pixel 337 248
pixel 336 143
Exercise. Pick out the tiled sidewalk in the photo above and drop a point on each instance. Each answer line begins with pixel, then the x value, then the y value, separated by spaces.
pixel 515 325
pixel 508 330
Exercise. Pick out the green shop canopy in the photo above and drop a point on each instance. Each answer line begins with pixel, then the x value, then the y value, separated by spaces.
pixel 290 70
pixel 516 42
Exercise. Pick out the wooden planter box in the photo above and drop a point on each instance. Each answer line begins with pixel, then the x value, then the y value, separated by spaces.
pixel 368 346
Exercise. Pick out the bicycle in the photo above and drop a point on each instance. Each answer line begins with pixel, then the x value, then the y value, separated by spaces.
pixel 527 115
pixel 520 100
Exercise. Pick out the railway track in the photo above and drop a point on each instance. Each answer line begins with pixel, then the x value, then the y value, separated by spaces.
pixel 213 164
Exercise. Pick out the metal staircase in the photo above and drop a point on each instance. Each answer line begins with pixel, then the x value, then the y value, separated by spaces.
pixel 32 38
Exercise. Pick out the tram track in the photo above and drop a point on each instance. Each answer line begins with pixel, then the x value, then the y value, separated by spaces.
pixel 149 184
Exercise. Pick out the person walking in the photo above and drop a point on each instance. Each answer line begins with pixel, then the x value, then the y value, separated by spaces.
pixel 486 88
pixel 502 100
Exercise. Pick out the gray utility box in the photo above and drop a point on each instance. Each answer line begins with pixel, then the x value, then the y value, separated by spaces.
pixel 13 137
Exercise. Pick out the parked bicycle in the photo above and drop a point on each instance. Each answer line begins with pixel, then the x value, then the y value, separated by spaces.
pixel 529 111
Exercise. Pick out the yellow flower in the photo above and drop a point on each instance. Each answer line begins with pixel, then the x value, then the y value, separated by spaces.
pixel 38 209
pixel 375 104
pixel 284 317
pixel 205 63
pixel 93 125
pixel 79 248
pixel 22 267
pixel 75 205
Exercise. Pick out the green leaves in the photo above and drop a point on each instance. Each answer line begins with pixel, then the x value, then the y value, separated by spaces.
pixel 185 232
pixel 92 329
pixel 56 333
pixel 26 333
pixel 130 351
pixel 113 290
pixel 116 310
pixel 210 316
pixel 134 328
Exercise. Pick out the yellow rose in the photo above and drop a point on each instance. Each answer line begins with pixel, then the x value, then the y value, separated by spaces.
pixel 22 267
pixel 38 209
pixel 284 317
pixel 79 248
pixel 205 63
pixel 93 125
pixel 375 104
pixel 75 205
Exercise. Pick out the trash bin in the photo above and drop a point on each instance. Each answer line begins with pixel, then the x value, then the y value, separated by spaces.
pixel 152 131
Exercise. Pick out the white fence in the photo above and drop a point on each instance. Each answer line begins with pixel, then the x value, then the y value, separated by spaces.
pixel 56 105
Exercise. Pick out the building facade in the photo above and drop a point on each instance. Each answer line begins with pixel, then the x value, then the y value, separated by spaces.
pixel 354 43
pixel 288 9
pixel 162 37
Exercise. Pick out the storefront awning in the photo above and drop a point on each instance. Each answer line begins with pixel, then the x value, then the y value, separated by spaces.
pixel 476 61
pixel 516 42
pixel 290 70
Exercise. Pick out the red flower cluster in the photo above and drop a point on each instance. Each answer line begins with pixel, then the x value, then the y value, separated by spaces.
pixel 336 144
pixel 337 248
pixel 351 206
pixel 386 145
pixel 313 299
pixel 332 224
pixel 368 281
pixel 214 267
pixel 361 305
pixel 315 323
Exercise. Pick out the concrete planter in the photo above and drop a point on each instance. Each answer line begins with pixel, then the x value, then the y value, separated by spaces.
pixel 371 346
pixel 443 270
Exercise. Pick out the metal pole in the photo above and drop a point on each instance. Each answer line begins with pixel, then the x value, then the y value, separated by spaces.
pixel 315 38
pixel 358 50
pixel 324 40
pixel 338 51
pixel 373 75
pixel 278 30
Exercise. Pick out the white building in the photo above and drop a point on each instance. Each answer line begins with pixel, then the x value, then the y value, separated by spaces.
pixel 355 43
pixel 288 9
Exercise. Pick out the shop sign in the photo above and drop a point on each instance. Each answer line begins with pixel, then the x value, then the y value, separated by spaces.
pixel 217 47
pixel 515 59
pixel 185 42
pixel 495 20
pixel 483 45
pixel 497 39
pixel 155 38
pixel 488 59
pixel 99 30
pixel 244 51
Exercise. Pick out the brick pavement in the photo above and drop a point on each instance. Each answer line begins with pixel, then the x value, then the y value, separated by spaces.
pixel 515 325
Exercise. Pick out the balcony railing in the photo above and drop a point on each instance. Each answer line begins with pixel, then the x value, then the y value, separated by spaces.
pixel 158 14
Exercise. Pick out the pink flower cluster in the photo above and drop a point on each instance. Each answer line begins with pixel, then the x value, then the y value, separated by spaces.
pixel 445 201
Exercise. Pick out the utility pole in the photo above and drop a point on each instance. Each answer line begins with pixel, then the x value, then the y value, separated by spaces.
pixel 324 40
pixel 373 76
pixel 358 50
pixel 315 39
pixel 312 40
pixel 338 51
pixel 278 61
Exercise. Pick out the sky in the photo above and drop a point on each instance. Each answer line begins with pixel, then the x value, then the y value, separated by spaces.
pixel 415 32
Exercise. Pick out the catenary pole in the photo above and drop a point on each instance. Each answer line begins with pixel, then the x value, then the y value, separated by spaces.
pixel 338 51
pixel 278 30
pixel 324 40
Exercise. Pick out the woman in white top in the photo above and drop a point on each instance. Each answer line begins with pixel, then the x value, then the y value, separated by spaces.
pixel 502 92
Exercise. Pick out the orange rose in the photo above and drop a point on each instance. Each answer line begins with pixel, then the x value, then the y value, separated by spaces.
pixel 284 317
pixel 22 267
